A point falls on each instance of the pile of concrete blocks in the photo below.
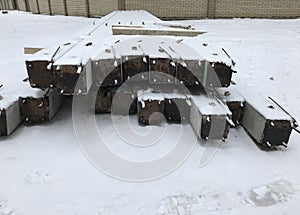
(32, 106)
(162, 78)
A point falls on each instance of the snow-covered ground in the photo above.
(43, 171)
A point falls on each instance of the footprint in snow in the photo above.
(5, 209)
(275, 193)
(36, 178)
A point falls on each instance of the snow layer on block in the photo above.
(43, 55)
(229, 94)
(175, 95)
(211, 53)
(147, 95)
(11, 92)
(209, 106)
(133, 17)
(261, 103)
(154, 47)
(101, 38)
(59, 50)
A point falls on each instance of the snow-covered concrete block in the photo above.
(190, 72)
(264, 121)
(100, 99)
(136, 67)
(150, 107)
(40, 108)
(40, 65)
(40, 73)
(10, 118)
(177, 107)
(224, 73)
(234, 101)
(209, 117)
(162, 71)
(141, 30)
(108, 72)
(107, 68)
(73, 79)
(124, 101)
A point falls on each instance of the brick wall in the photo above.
(6, 5)
(180, 9)
(102, 7)
(257, 8)
(170, 8)
(22, 5)
(76, 7)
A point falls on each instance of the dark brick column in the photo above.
(211, 10)
(121, 5)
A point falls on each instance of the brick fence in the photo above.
(178, 9)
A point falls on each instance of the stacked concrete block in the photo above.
(135, 67)
(124, 101)
(177, 107)
(191, 72)
(264, 120)
(73, 79)
(209, 117)
(38, 109)
(100, 99)
(234, 101)
(150, 107)
(223, 72)
(162, 71)
(10, 118)
(108, 72)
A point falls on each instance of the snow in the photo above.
(163, 47)
(11, 93)
(149, 95)
(229, 95)
(43, 169)
(209, 105)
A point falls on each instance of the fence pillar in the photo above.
(4, 5)
(38, 6)
(211, 10)
(49, 5)
(121, 5)
(87, 7)
(14, 4)
(66, 8)
(27, 6)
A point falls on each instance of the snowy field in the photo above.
(43, 171)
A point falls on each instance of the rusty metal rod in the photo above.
(295, 123)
